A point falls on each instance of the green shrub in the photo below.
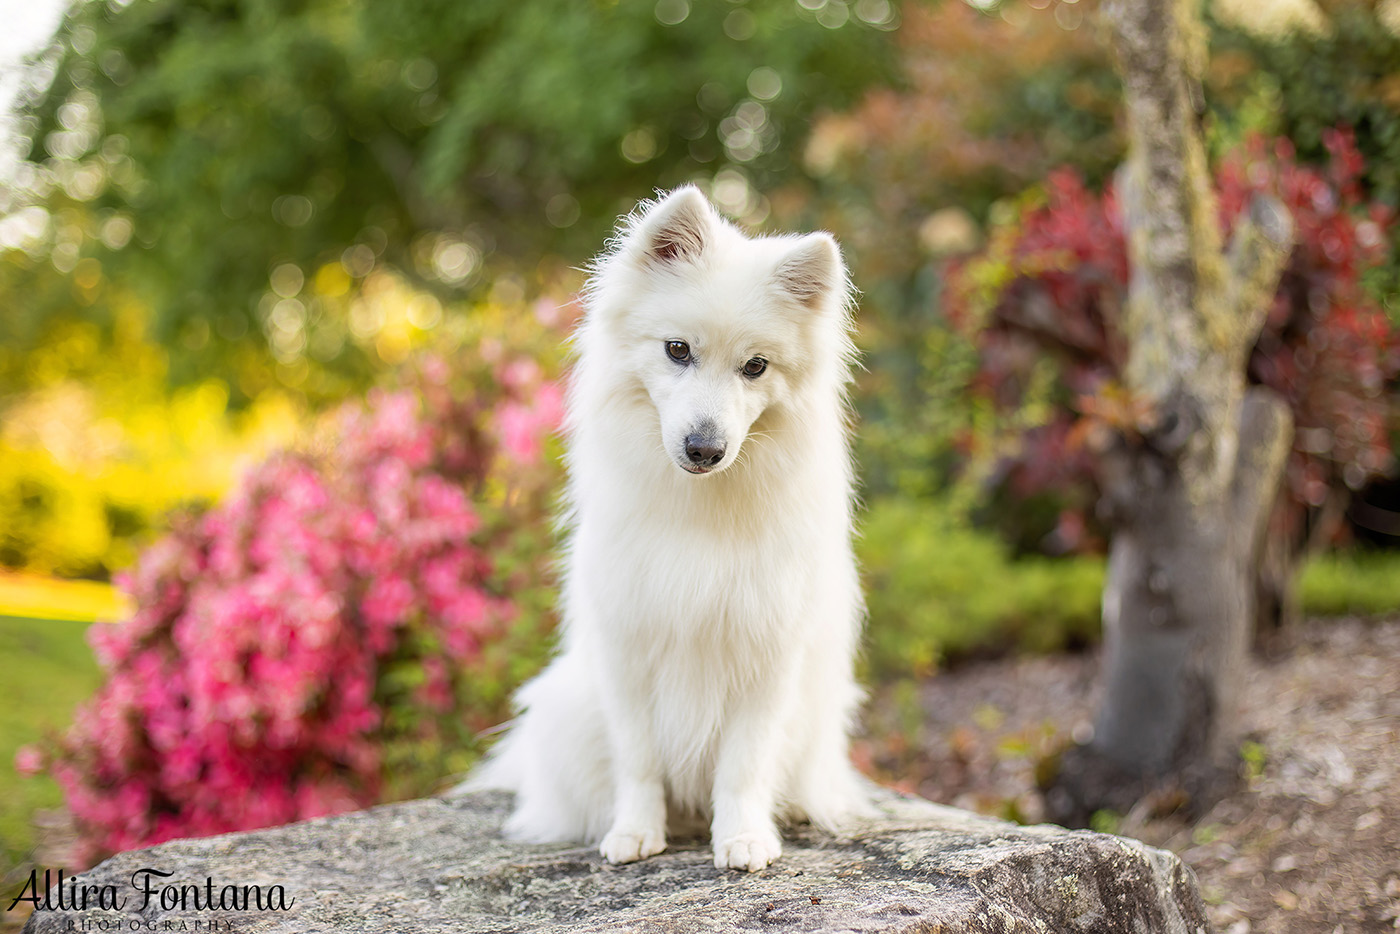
(938, 588)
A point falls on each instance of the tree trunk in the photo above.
(1277, 610)
(1287, 547)
(1188, 494)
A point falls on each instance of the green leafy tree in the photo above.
(212, 156)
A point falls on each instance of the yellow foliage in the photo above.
(87, 467)
(33, 597)
(95, 455)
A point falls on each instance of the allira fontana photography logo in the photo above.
(148, 888)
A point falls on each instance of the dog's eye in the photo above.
(678, 351)
(755, 367)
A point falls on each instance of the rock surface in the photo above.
(439, 864)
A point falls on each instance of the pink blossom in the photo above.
(523, 427)
(388, 602)
(521, 373)
(250, 686)
(29, 760)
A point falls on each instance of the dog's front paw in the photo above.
(628, 846)
(751, 850)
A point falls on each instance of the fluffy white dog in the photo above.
(711, 605)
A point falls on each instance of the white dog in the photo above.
(711, 606)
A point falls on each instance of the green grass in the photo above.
(48, 669)
(1352, 583)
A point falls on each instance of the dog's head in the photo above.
(718, 327)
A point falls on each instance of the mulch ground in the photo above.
(1310, 842)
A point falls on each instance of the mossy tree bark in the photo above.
(1190, 487)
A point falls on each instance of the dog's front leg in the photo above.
(746, 780)
(639, 794)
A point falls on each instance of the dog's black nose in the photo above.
(703, 450)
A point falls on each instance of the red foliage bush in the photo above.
(1055, 280)
(340, 602)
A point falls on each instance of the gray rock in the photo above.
(440, 864)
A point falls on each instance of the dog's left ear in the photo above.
(675, 229)
(813, 271)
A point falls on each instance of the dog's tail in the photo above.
(500, 770)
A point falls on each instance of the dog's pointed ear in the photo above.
(813, 271)
(677, 228)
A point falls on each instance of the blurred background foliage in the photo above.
(219, 158)
(234, 216)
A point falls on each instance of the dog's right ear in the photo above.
(675, 229)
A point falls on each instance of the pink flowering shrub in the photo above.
(336, 630)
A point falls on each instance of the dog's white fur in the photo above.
(709, 622)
